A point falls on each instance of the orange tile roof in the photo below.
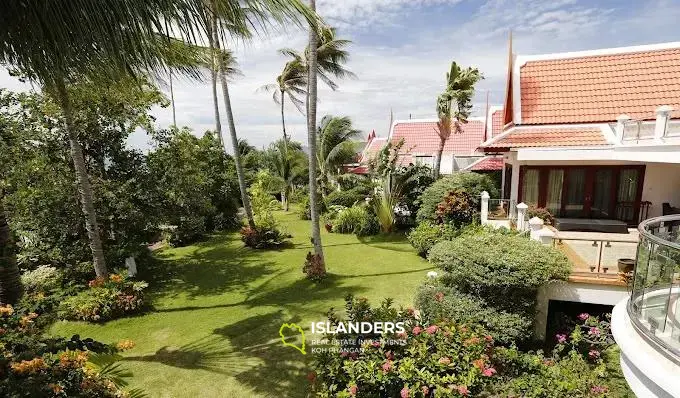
(372, 148)
(487, 163)
(528, 137)
(420, 137)
(600, 88)
(496, 123)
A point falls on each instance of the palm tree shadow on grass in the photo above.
(218, 265)
(395, 241)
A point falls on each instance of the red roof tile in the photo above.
(372, 148)
(599, 88)
(496, 123)
(422, 138)
(549, 137)
(488, 163)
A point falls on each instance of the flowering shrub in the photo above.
(104, 299)
(457, 208)
(32, 365)
(41, 280)
(542, 213)
(427, 360)
(590, 337)
(263, 237)
(314, 268)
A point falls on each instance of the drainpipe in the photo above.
(663, 113)
(621, 126)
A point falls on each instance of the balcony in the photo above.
(647, 325)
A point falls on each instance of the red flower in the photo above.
(376, 343)
(425, 390)
(478, 363)
(353, 390)
(402, 335)
(594, 354)
(444, 360)
(387, 366)
(389, 355)
(488, 372)
(417, 330)
(439, 296)
(311, 376)
(431, 329)
(404, 392)
(462, 390)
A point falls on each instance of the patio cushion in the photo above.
(585, 224)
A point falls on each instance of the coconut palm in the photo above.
(336, 147)
(454, 105)
(311, 102)
(331, 57)
(286, 161)
(292, 82)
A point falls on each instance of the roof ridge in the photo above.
(523, 59)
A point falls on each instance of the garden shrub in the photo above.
(472, 183)
(438, 302)
(542, 213)
(368, 226)
(457, 209)
(349, 220)
(427, 234)
(189, 229)
(425, 360)
(314, 268)
(345, 198)
(105, 299)
(43, 279)
(504, 270)
(263, 237)
(32, 365)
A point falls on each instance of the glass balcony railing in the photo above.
(654, 306)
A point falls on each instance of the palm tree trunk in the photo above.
(311, 137)
(84, 187)
(10, 280)
(172, 101)
(234, 139)
(213, 73)
(283, 118)
(438, 158)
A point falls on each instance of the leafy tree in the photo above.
(454, 105)
(286, 161)
(336, 147)
(196, 182)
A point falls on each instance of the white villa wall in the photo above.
(662, 184)
(447, 164)
(575, 292)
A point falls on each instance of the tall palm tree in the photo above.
(286, 161)
(454, 105)
(336, 147)
(292, 82)
(311, 138)
(331, 57)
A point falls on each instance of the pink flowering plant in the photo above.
(426, 360)
(590, 337)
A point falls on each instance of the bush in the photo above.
(305, 212)
(189, 230)
(349, 220)
(504, 270)
(427, 234)
(345, 198)
(542, 213)
(105, 299)
(457, 209)
(41, 280)
(438, 302)
(472, 183)
(368, 226)
(262, 237)
(314, 268)
(425, 360)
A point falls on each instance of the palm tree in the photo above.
(331, 57)
(336, 147)
(287, 161)
(292, 82)
(311, 138)
(454, 105)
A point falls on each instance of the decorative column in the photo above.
(521, 213)
(485, 208)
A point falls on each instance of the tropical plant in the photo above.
(292, 82)
(472, 183)
(336, 147)
(286, 161)
(317, 256)
(427, 234)
(383, 206)
(454, 105)
(456, 209)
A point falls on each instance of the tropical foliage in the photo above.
(336, 147)
(289, 164)
(471, 183)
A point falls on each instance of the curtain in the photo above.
(530, 187)
(554, 198)
(626, 194)
(576, 184)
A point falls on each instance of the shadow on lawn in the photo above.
(215, 266)
(280, 371)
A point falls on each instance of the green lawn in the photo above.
(219, 307)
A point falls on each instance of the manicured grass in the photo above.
(218, 307)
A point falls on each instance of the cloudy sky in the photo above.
(402, 49)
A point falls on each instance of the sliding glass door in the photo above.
(605, 192)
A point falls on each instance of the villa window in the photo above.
(530, 187)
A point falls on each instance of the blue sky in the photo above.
(402, 49)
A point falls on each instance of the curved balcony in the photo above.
(654, 308)
(646, 325)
